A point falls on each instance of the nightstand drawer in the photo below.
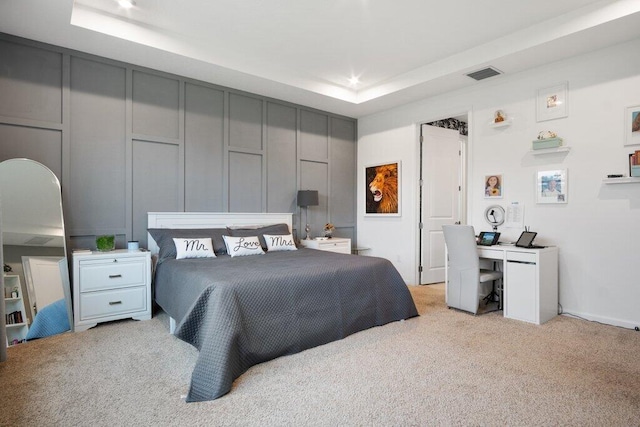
(109, 303)
(341, 247)
(98, 274)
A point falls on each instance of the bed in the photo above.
(239, 311)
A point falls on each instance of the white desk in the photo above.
(530, 281)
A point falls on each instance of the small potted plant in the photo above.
(328, 230)
(106, 243)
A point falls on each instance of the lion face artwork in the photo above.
(382, 182)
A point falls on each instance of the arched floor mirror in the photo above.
(37, 293)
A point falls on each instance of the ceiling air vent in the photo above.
(38, 240)
(485, 73)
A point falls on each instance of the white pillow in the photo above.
(193, 247)
(242, 246)
(277, 242)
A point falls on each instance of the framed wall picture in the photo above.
(632, 125)
(493, 186)
(552, 103)
(552, 186)
(382, 192)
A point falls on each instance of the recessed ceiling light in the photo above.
(354, 80)
(127, 4)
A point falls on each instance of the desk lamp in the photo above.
(307, 198)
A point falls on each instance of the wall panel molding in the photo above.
(132, 140)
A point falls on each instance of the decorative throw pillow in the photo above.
(193, 247)
(167, 249)
(278, 242)
(242, 246)
(259, 231)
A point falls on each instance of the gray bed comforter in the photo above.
(242, 311)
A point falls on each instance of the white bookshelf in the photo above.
(14, 303)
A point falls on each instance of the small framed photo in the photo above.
(632, 125)
(493, 186)
(552, 186)
(382, 189)
(552, 103)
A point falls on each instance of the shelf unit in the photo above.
(625, 180)
(553, 150)
(16, 332)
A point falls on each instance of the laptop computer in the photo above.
(526, 240)
(488, 238)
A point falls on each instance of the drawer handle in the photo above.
(115, 276)
(115, 302)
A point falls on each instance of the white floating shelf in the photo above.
(625, 180)
(502, 124)
(550, 150)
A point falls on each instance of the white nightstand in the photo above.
(109, 286)
(335, 244)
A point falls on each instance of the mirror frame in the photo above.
(63, 263)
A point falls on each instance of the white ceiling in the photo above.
(305, 51)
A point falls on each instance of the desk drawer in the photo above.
(101, 274)
(111, 303)
(490, 254)
(522, 257)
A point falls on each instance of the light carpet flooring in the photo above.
(445, 367)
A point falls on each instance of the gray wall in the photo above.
(124, 141)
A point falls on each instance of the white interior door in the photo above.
(44, 283)
(441, 197)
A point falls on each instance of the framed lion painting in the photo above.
(382, 192)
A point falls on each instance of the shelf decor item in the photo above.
(634, 164)
(106, 243)
(499, 116)
(546, 139)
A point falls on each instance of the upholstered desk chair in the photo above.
(465, 275)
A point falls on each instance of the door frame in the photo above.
(465, 154)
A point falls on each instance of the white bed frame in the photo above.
(210, 220)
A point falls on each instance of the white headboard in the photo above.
(211, 220)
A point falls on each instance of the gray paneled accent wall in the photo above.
(96, 188)
(204, 161)
(125, 140)
(281, 157)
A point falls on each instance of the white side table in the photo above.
(109, 286)
(335, 244)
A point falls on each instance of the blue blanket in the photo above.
(50, 320)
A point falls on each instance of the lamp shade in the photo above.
(308, 198)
